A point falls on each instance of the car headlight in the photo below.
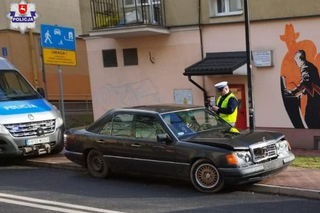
(240, 158)
(283, 146)
(3, 130)
(59, 122)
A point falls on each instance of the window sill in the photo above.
(226, 14)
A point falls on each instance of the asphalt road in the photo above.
(33, 189)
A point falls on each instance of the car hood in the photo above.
(233, 141)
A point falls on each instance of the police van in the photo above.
(29, 124)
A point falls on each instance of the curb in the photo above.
(65, 166)
(259, 188)
(282, 190)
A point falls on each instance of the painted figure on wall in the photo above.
(300, 81)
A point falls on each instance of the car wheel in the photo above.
(97, 165)
(205, 177)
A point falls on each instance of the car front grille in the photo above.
(30, 128)
(264, 151)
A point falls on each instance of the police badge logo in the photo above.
(23, 16)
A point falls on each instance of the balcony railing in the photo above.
(118, 13)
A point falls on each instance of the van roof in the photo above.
(6, 65)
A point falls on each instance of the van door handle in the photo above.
(136, 145)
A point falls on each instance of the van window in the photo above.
(14, 87)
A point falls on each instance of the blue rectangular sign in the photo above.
(4, 52)
(57, 37)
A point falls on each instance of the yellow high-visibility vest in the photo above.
(230, 118)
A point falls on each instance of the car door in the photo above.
(114, 141)
(149, 156)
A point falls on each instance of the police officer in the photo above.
(227, 103)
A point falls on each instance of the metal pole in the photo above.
(249, 73)
(33, 59)
(44, 79)
(61, 95)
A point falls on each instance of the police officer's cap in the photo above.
(221, 85)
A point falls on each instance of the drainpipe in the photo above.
(200, 30)
(33, 57)
(201, 49)
(201, 88)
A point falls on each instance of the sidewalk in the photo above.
(299, 182)
(297, 177)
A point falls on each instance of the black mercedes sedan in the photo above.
(177, 141)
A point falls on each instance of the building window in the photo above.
(130, 57)
(226, 7)
(131, 3)
(109, 58)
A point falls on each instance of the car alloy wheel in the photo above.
(205, 177)
(97, 165)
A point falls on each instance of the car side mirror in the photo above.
(41, 92)
(163, 138)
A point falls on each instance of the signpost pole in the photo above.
(61, 95)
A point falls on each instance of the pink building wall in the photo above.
(150, 83)
(270, 112)
(147, 83)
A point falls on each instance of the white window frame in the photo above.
(131, 5)
(214, 9)
(148, 2)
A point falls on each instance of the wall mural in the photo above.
(300, 81)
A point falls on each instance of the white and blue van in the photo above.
(29, 124)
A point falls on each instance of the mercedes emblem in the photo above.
(31, 117)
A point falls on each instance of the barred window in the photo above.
(109, 58)
(130, 57)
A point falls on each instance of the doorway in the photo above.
(239, 91)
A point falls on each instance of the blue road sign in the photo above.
(57, 37)
(4, 52)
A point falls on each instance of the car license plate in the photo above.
(37, 141)
(271, 165)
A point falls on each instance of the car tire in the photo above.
(205, 177)
(97, 165)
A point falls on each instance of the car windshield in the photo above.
(189, 122)
(14, 87)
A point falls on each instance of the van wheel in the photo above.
(205, 177)
(97, 165)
